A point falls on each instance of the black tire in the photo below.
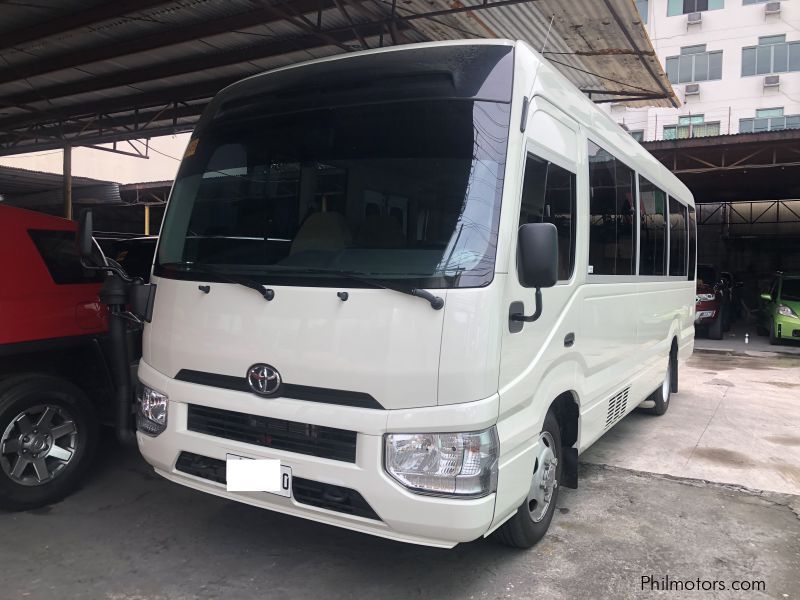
(715, 329)
(726, 320)
(662, 395)
(520, 531)
(32, 392)
(773, 338)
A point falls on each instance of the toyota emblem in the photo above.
(263, 379)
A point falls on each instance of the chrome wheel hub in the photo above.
(544, 482)
(38, 444)
(665, 387)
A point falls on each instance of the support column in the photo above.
(147, 219)
(67, 181)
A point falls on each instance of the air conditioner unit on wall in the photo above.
(772, 8)
(694, 18)
(772, 80)
(692, 89)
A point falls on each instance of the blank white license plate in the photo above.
(245, 474)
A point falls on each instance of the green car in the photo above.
(780, 314)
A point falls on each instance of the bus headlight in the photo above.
(151, 413)
(446, 464)
(786, 311)
(704, 297)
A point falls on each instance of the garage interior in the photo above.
(712, 490)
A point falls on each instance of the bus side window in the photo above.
(653, 229)
(677, 237)
(548, 196)
(612, 208)
(692, 243)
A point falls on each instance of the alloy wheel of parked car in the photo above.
(38, 444)
(48, 432)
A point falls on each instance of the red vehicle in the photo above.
(57, 383)
(712, 306)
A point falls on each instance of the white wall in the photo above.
(97, 164)
(733, 97)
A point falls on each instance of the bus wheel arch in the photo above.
(567, 413)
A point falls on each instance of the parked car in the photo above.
(712, 302)
(780, 314)
(56, 382)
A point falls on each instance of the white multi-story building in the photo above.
(734, 64)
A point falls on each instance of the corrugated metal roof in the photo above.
(26, 188)
(83, 72)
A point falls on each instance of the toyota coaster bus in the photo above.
(423, 279)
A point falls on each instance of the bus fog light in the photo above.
(449, 464)
(151, 413)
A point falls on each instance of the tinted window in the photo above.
(692, 243)
(548, 196)
(653, 230)
(707, 274)
(402, 190)
(612, 232)
(60, 255)
(677, 238)
(790, 290)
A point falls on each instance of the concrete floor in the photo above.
(130, 535)
(736, 420)
(733, 341)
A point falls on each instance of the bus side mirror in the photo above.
(766, 297)
(84, 237)
(538, 255)
(537, 264)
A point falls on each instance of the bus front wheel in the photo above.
(532, 519)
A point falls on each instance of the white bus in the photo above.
(424, 279)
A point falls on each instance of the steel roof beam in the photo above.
(161, 39)
(190, 64)
(184, 93)
(103, 126)
(103, 11)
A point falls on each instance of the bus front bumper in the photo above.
(394, 512)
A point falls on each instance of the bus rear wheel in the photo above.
(532, 519)
(661, 396)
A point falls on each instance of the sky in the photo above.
(162, 165)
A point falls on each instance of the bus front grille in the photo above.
(290, 436)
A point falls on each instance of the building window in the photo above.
(638, 135)
(653, 229)
(548, 196)
(641, 6)
(683, 7)
(772, 55)
(769, 119)
(691, 126)
(694, 64)
(612, 219)
(746, 2)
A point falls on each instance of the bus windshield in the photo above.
(387, 191)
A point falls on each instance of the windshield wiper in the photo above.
(188, 267)
(436, 302)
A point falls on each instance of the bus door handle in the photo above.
(569, 340)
